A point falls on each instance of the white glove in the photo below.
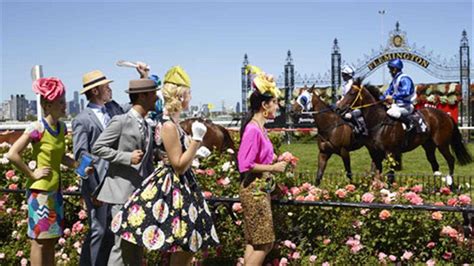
(203, 152)
(199, 130)
(348, 116)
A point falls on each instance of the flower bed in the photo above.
(305, 235)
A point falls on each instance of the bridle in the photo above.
(359, 96)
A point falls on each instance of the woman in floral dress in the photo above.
(168, 212)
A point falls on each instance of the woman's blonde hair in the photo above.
(172, 94)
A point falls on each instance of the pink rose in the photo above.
(283, 261)
(382, 256)
(306, 186)
(430, 262)
(287, 243)
(449, 231)
(24, 262)
(67, 232)
(82, 214)
(2, 256)
(200, 172)
(326, 241)
(447, 255)
(300, 198)
(464, 200)
(350, 188)
(325, 264)
(295, 191)
(77, 227)
(431, 245)
(9, 174)
(223, 181)
(295, 255)
(237, 207)
(19, 253)
(62, 241)
(210, 172)
(368, 197)
(438, 203)
(384, 215)
(452, 202)
(13, 186)
(313, 258)
(437, 216)
(50, 88)
(341, 193)
(407, 255)
(310, 197)
(445, 191)
(417, 188)
(207, 194)
(392, 258)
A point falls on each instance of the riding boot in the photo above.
(408, 123)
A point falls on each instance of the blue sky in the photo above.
(210, 39)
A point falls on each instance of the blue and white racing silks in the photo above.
(401, 89)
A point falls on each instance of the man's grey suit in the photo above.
(116, 144)
(86, 129)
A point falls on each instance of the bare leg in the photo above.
(248, 252)
(258, 255)
(181, 258)
(42, 252)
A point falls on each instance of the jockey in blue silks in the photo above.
(400, 94)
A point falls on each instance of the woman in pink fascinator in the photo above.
(44, 196)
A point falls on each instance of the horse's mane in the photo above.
(373, 90)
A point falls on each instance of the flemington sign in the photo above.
(402, 55)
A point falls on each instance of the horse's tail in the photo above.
(462, 154)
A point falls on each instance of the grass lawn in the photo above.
(413, 162)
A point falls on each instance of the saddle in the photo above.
(414, 121)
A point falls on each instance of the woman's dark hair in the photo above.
(256, 100)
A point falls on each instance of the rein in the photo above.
(359, 95)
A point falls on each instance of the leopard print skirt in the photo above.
(258, 219)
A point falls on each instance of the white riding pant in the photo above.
(400, 109)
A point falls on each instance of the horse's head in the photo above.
(359, 96)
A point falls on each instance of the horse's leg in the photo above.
(322, 161)
(346, 158)
(430, 153)
(444, 149)
(377, 158)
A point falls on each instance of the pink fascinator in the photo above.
(50, 88)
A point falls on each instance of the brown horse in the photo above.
(335, 135)
(388, 137)
(217, 137)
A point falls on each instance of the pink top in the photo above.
(255, 148)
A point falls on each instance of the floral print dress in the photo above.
(167, 212)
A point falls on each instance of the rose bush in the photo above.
(305, 235)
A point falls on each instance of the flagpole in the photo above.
(37, 73)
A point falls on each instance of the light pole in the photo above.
(382, 12)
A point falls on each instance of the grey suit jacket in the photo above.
(116, 144)
(86, 128)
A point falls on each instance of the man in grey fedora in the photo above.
(86, 128)
(127, 144)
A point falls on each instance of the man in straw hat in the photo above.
(128, 145)
(86, 128)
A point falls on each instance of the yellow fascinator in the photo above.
(263, 82)
(178, 76)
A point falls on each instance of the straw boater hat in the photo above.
(141, 85)
(93, 79)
